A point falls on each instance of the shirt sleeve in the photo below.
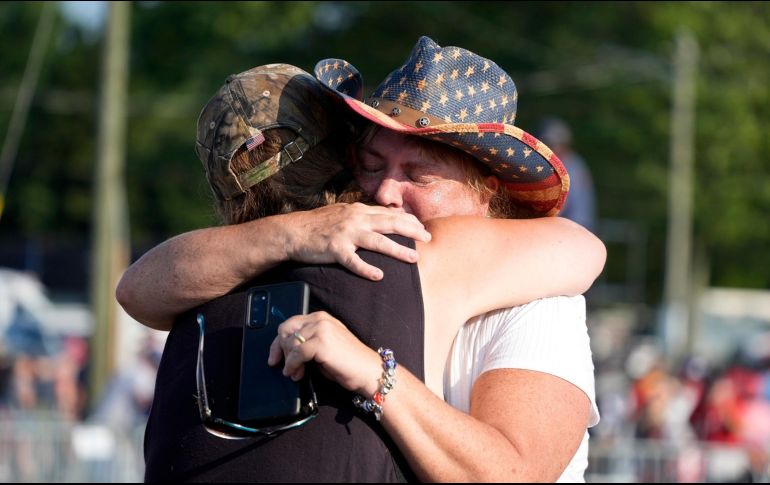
(547, 335)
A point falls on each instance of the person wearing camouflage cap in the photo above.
(428, 411)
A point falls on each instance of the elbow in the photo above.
(128, 296)
(124, 294)
(591, 256)
(595, 256)
(598, 257)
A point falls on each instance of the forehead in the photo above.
(393, 147)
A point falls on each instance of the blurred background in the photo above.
(660, 111)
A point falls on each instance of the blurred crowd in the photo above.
(695, 420)
(702, 412)
(44, 367)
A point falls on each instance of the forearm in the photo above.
(536, 258)
(443, 444)
(197, 266)
(522, 425)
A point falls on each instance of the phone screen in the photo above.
(266, 395)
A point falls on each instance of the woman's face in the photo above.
(397, 172)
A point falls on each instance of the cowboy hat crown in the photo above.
(456, 97)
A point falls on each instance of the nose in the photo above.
(390, 193)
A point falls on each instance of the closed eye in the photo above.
(421, 179)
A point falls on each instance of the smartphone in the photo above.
(267, 397)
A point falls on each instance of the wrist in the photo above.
(371, 376)
(374, 404)
(264, 245)
(285, 233)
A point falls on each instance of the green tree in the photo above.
(602, 67)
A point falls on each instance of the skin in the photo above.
(398, 174)
(523, 425)
(508, 435)
(198, 266)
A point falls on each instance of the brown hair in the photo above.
(501, 204)
(319, 178)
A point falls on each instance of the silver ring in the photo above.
(299, 337)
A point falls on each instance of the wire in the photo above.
(24, 97)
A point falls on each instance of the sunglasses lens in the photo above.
(226, 429)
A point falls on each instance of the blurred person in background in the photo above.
(33, 367)
(736, 410)
(128, 398)
(581, 203)
(426, 466)
(6, 368)
(69, 384)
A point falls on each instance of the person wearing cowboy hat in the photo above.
(404, 174)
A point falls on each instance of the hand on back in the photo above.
(332, 234)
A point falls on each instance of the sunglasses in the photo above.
(228, 429)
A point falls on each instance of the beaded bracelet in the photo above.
(387, 382)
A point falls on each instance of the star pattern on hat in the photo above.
(440, 82)
(472, 96)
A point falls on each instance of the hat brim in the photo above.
(533, 175)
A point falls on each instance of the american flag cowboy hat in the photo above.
(451, 95)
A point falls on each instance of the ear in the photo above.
(492, 182)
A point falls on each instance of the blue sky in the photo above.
(89, 15)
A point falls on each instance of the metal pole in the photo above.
(678, 320)
(110, 251)
(24, 97)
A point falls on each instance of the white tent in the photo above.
(22, 292)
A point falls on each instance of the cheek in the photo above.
(442, 200)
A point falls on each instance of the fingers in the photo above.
(296, 344)
(339, 355)
(280, 345)
(391, 221)
(383, 244)
(276, 352)
(407, 225)
(388, 220)
(334, 233)
(353, 262)
(294, 365)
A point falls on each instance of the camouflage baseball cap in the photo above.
(249, 103)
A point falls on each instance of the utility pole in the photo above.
(678, 321)
(110, 247)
